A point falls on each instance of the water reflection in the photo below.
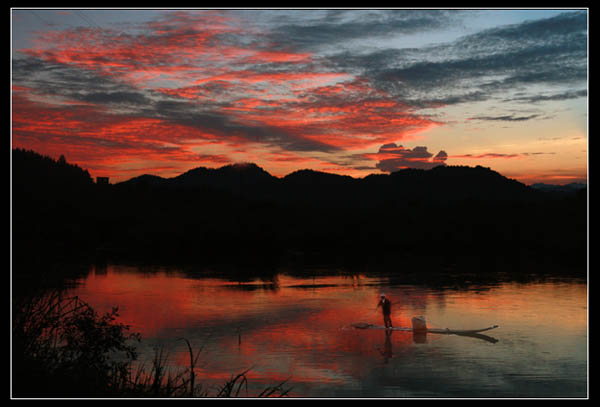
(419, 337)
(387, 352)
(290, 327)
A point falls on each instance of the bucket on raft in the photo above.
(419, 323)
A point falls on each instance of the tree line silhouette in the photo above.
(450, 218)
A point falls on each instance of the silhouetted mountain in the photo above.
(146, 180)
(567, 188)
(450, 217)
(229, 177)
(311, 177)
(449, 184)
(33, 170)
(49, 203)
(442, 184)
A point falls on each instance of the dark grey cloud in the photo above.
(481, 66)
(396, 157)
(567, 24)
(540, 65)
(118, 97)
(207, 119)
(507, 118)
(364, 167)
(338, 27)
(575, 94)
(70, 82)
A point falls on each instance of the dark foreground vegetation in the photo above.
(447, 218)
(62, 349)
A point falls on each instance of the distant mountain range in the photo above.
(442, 184)
(567, 188)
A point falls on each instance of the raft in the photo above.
(419, 327)
(365, 325)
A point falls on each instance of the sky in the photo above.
(126, 92)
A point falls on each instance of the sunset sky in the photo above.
(349, 91)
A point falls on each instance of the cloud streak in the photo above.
(506, 118)
(501, 155)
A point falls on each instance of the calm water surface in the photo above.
(298, 328)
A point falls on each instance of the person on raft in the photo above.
(386, 308)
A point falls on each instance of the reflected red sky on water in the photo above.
(299, 328)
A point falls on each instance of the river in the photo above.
(297, 328)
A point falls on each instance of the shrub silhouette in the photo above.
(63, 348)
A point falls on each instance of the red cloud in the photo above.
(104, 142)
(185, 57)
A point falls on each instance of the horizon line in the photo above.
(248, 163)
